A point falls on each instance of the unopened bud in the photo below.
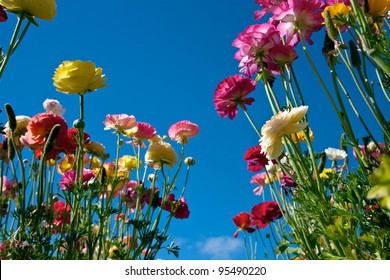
(355, 56)
(79, 123)
(330, 28)
(152, 177)
(11, 116)
(189, 161)
(11, 149)
(51, 139)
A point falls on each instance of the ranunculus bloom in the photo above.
(264, 213)
(279, 57)
(54, 106)
(254, 44)
(129, 162)
(231, 93)
(287, 184)
(243, 221)
(68, 180)
(3, 14)
(142, 131)
(182, 130)
(160, 153)
(8, 187)
(378, 7)
(255, 158)
(21, 127)
(178, 208)
(303, 16)
(335, 154)
(337, 10)
(283, 123)
(96, 149)
(43, 9)
(38, 129)
(72, 136)
(120, 122)
(78, 77)
(61, 215)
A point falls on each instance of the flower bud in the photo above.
(51, 139)
(152, 177)
(79, 123)
(371, 147)
(11, 116)
(11, 149)
(330, 28)
(189, 161)
(355, 57)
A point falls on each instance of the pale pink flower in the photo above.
(269, 6)
(260, 180)
(8, 187)
(54, 106)
(231, 93)
(142, 131)
(182, 130)
(119, 122)
(254, 44)
(302, 15)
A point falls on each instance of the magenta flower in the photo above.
(302, 15)
(178, 208)
(264, 213)
(68, 180)
(255, 158)
(269, 6)
(119, 122)
(280, 57)
(232, 92)
(254, 44)
(182, 130)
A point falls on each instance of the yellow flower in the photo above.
(378, 8)
(129, 162)
(283, 123)
(300, 136)
(324, 173)
(43, 9)
(96, 149)
(78, 77)
(160, 153)
(337, 10)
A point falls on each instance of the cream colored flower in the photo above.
(21, 127)
(78, 77)
(160, 153)
(43, 9)
(283, 123)
(96, 149)
(335, 154)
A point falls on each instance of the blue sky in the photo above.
(163, 61)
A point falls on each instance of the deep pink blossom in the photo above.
(182, 130)
(264, 213)
(254, 44)
(268, 6)
(231, 93)
(68, 180)
(280, 57)
(178, 208)
(255, 158)
(302, 15)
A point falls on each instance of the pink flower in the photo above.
(255, 158)
(178, 208)
(142, 131)
(231, 93)
(302, 15)
(269, 6)
(54, 106)
(254, 44)
(68, 180)
(119, 122)
(182, 130)
(8, 187)
(129, 195)
(259, 179)
(61, 215)
(280, 57)
(264, 213)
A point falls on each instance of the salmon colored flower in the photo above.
(160, 153)
(243, 221)
(78, 77)
(255, 158)
(283, 123)
(183, 130)
(231, 93)
(43, 9)
(120, 123)
(264, 213)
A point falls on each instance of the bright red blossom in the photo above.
(264, 213)
(255, 158)
(243, 221)
(231, 93)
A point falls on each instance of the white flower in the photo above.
(54, 106)
(335, 154)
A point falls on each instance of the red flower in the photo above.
(72, 135)
(243, 221)
(264, 213)
(179, 208)
(256, 159)
(61, 214)
(3, 14)
(231, 93)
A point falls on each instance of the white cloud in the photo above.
(220, 247)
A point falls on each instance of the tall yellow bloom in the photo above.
(78, 77)
(283, 123)
(378, 8)
(43, 9)
(337, 10)
(160, 153)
